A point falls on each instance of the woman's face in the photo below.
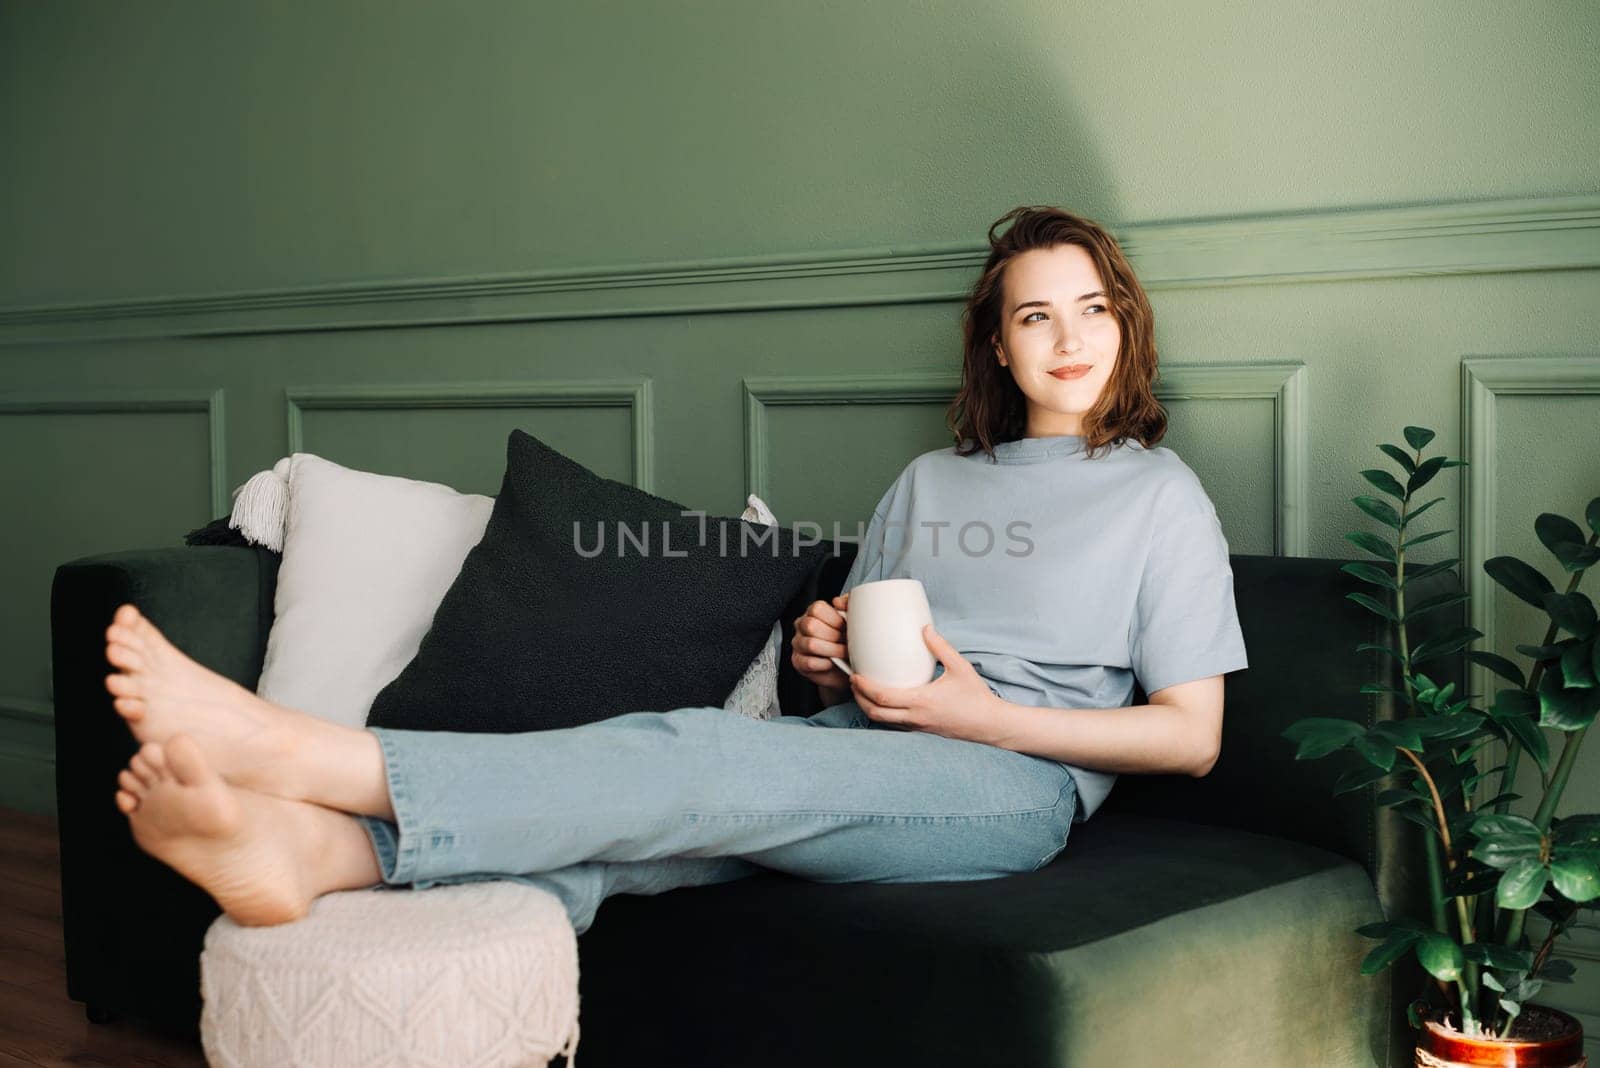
(1055, 317)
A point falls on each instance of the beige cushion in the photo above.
(475, 975)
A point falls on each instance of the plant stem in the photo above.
(1467, 984)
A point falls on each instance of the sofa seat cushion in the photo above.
(1143, 939)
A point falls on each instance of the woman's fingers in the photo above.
(814, 628)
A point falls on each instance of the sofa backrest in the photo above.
(1301, 634)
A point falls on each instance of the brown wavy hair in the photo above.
(990, 408)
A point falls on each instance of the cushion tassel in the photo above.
(261, 506)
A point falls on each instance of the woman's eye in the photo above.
(1030, 316)
(1092, 307)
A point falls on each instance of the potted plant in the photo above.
(1486, 867)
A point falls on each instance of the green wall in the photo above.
(719, 247)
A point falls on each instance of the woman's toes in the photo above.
(129, 708)
(155, 756)
(121, 685)
(121, 656)
(142, 770)
(127, 802)
(125, 615)
(130, 782)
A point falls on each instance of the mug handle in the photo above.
(840, 664)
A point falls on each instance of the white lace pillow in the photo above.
(366, 560)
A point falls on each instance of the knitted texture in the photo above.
(474, 975)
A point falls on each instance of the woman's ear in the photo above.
(998, 351)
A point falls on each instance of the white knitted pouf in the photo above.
(474, 975)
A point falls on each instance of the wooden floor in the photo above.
(38, 1024)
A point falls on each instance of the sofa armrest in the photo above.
(133, 927)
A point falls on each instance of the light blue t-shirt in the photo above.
(1064, 578)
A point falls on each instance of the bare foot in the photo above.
(251, 852)
(161, 692)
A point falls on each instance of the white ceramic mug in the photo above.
(884, 633)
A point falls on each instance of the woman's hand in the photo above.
(957, 704)
(818, 635)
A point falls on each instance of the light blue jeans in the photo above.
(650, 801)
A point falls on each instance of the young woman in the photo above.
(1063, 554)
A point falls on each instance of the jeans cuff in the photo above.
(400, 837)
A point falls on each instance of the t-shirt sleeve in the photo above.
(868, 564)
(1186, 624)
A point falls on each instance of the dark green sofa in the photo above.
(1191, 921)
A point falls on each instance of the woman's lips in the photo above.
(1073, 371)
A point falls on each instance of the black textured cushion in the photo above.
(218, 532)
(540, 631)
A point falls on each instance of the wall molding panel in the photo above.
(1484, 379)
(1470, 237)
(634, 394)
(212, 402)
(1283, 384)
(786, 391)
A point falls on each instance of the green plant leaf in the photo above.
(1572, 612)
(1418, 436)
(1377, 752)
(1577, 668)
(1371, 604)
(1517, 711)
(1392, 949)
(1488, 977)
(1497, 824)
(1521, 579)
(1399, 456)
(1574, 557)
(1425, 537)
(1497, 956)
(1393, 653)
(1379, 510)
(1375, 687)
(1319, 735)
(1541, 652)
(1556, 970)
(1444, 644)
(1401, 733)
(1500, 666)
(1592, 514)
(1506, 851)
(1444, 600)
(1553, 530)
(1450, 726)
(1422, 817)
(1412, 515)
(1441, 955)
(1415, 573)
(1387, 798)
(1576, 830)
(1372, 543)
(1563, 709)
(1522, 884)
(1577, 877)
(1386, 482)
(1371, 573)
(1356, 778)
(1424, 473)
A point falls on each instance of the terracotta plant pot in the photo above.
(1558, 1043)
